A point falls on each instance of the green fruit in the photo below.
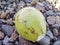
(30, 24)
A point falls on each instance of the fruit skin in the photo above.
(30, 24)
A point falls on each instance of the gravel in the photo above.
(49, 8)
(8, 30)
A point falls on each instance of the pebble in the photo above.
(55, 32)
(1, 42)
(10, 21)
(16, 43)
(14, 36)
(28, 4)
(21, 5)
(45, 41)
(7, 29)
(57, 13)
(14, 5)
(6, 39)
(57, 43)
(3, 15)
(1, 35)
(10, 44)
(3, 21)
(57, 19)
(34, 2)
(27, 1)
(51, 20)
(23, 42)
(56, 25)
(57, 6)
(40, 6)
(59, 37)
(49, 12)
(47, 6)
(50, 34)
(11, 0)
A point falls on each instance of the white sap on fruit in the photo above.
(30, 24)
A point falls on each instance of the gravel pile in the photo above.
(50, 10)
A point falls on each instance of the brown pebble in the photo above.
(55, 32)
(14, 36)
(1, 35)
(10, 21)
(3, 15)
(34, 2)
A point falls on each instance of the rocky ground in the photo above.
(49, 8)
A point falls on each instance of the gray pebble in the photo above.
(51, 20)
(40, 6)
(45, 41)
(57, 43)
(49, 12)
(1, 42)
(28, 1)
(49, 33)
(55, 32)
(6, 39)
(10, 44)
(56, 25)
(8, 30)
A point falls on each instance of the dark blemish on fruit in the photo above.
(26, 33)
(32, 31)
(25, 22)
(41, 31)
(28, 28)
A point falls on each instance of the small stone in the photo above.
(10, 21)
(28, 1)
(24, 42)
(59, 37)
(21, 5)
(16, 43)
(3, 21)
(10, 10)
(55, 32)
(45, 41)
(7, 29)
(57, 13)
(57, 19)
(14, 36)
(14, 5)
(34, 2)
(3, 2)
(57, 5)
(28, 4)
(51, 20)
(49, 33)
(3, 15)
(49, 12)
(10, 44)
(6, 39)
(40, 6)
(1, 35)
(56, 25)
(11, 0)
(57, 43)
(47, 6)
(1, 42)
